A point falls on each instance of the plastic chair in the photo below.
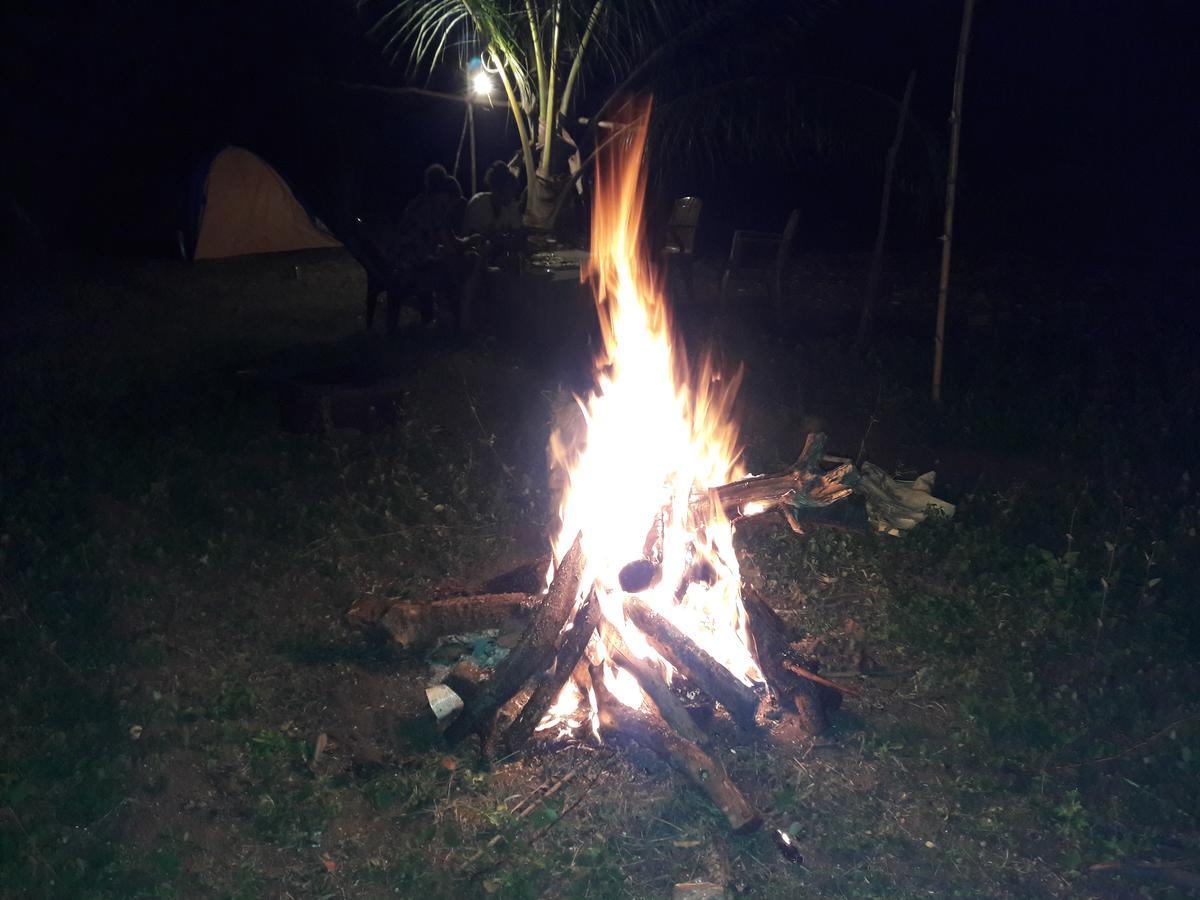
(680, 238)
(764, 252)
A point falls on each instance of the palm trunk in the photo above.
(960, 72)
(539, 62)
(541, 186)
(522, 131)
(549, 119)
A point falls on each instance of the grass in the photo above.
(175, 572)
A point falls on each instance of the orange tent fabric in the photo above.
(249, 208)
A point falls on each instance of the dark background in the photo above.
(1079, 137)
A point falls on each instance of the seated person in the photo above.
(432, 217)
(425, 248)
(496, 213)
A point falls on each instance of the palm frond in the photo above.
(808, 119)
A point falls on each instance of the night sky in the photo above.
(1081, 118)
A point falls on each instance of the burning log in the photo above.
(420, 624)
(652, 732)
(652, 682)
(533, 653)
(684, 654)
(804, 486)
(569, 653)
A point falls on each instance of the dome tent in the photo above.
(238, 204)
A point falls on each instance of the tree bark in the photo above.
(652, 682)
(804, 485)
(812, 702)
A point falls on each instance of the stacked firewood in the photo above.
(567, 638)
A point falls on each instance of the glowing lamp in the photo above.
(481, 83)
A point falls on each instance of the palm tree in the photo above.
(542, 50)
(693, 55)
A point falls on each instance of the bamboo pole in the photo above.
(885, 205)
(960, 72)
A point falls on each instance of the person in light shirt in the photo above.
(492, 221)
(494, 212)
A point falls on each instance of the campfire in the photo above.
(643, 628)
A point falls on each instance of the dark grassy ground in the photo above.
(176, 570)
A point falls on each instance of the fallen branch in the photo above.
(421, 624)
(529, 804)
(796, 669)
(653, 733)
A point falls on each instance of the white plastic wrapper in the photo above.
(444, 702)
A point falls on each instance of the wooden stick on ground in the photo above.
(684, 654)
(651, 680)
(817, 679)
(532, 654)
(652, 732)
(569, 652)
(419, 624)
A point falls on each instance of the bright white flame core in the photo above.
(656, 439)
(482, 84)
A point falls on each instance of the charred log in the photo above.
(813, 702)
(527, 578)
(652, 732)
(705, 672)
(670, 707)
(804, 486)
(551, 683)
(533, 653)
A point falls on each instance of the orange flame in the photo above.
(656, 439)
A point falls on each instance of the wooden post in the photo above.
(885, 205)
(960, 72)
